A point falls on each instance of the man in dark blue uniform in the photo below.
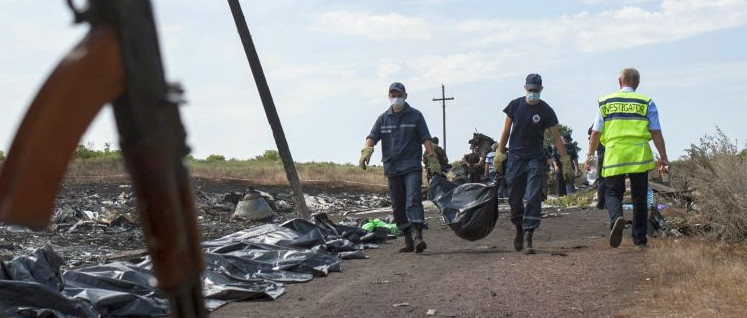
(527, 117)
(402, 130)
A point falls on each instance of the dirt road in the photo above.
(574, 274)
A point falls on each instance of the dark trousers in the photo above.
(560, 182)
(525, 178)
(600, 181)
(407, 198)
(638, 189)
(563, 186)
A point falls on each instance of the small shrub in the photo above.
(83, 152)
(718, 172)
(2, 156)
(87, 152)
(270, 155)
(215, 158)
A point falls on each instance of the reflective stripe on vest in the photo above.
(626, 134)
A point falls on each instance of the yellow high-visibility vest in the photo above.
(625, 135)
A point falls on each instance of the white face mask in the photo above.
(397, 103)
(533, 98)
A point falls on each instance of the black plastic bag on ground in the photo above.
(470, 209)
(656, 222)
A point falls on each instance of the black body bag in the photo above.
(470, 209)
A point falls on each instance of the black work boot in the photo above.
(409, 243)
(419, 243)
(519, 238)
(530, 248)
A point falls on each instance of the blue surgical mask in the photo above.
(533, 97)
(397, 102)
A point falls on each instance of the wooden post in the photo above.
(270, 110)
(443, 100)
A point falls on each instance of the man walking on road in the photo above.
(625, 123)
(401, 130)
(527, 117)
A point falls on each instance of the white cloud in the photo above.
(381, 27)
(479, 66)
(328, 63)
(387, 68)
(614, 29)
(293, 72)
(728, 76)
(625, 2)
(458, 67)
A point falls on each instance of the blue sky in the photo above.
(329, 64)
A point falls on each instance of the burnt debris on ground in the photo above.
(96, 222)
(94, 233)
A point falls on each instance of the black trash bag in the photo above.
(656, 222)
(470, 209)
(30, 286)
(117, 289)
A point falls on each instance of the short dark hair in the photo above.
(630, 76)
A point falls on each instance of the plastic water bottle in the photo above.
(650, 201)
(591, 175)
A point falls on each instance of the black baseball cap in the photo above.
(397, 86)
(534, 81)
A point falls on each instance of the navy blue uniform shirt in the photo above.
(528, 127)
(570, 150)
(401, 135)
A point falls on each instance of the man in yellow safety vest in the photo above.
(625, 123)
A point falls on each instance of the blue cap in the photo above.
(534, 81)
(397, 86)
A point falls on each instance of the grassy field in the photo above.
(257, 171)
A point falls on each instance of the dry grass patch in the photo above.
(260, 172)
(272, 172)
(693, 278)
(81, 171)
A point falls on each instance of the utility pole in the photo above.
(443, 100)
(270, 110)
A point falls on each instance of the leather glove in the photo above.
(366, 153)
(433, 165)
(567, 168)
(498, 161)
